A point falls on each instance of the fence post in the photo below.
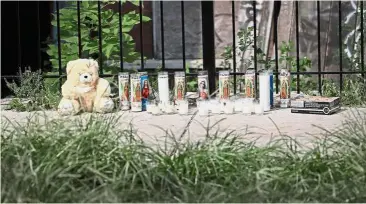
(208, 42)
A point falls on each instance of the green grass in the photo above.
(93, 161)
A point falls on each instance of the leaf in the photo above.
(106, 30)
(108, 50)
(145, 18)
(72, 39)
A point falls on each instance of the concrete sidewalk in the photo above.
(303, 127)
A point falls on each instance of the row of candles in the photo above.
(243, 105)
(134, 92)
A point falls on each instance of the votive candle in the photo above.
(228, 107)
(264, 90)
(163, 86)
(215, 107)
(258, 109)
(183, 107)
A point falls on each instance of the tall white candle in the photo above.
(264, 90)
(163, 86)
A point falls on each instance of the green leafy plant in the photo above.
(89, 33)
(353, 90)
(245, 41)
(287, 60)
(31, 93)
(192, 84)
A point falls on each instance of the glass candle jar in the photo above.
(169, 108)
(179, 86)
(248, 107)
(163, 86)
(203, 85)
(215, 106)
(258, 108)
(202, 108)
(238, 105)
(155, 110)
(224, 85)
(183, 107)
(228, 107)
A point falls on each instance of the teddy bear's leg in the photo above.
(103, 105)
(68, 107)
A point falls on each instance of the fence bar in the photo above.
(162, 34)
(208, 42)
(79, 28)
(275, 36)
(234, 41)
(297, 47)
(120, 35)
(141, 37)
(340, 45)
(100, 39)
(188, 74)
(319, 53)
(183, 35)
(40, 65)
(255, 45)
(362, 42)
(19, 38)
(59, 43)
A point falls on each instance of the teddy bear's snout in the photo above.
(85, 78)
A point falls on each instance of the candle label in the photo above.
(203, 86)
(136, 104)
(285, 88)
(145, 90)
(224, 87)
(179, 88)
(249, 85)
(285, 84)
(124, 90)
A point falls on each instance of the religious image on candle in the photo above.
(123, 82)
(136, 104)
(224, 89)
(179, 80)
(203, 84)
(284, 84)
(145, 89)
(250, 84)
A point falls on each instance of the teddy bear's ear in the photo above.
(93, 64)
(69, 66)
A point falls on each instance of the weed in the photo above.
(353, 90)
(33, 91)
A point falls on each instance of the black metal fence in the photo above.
(208, 43)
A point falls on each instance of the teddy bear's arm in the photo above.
(68, 91)
(103, 88)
